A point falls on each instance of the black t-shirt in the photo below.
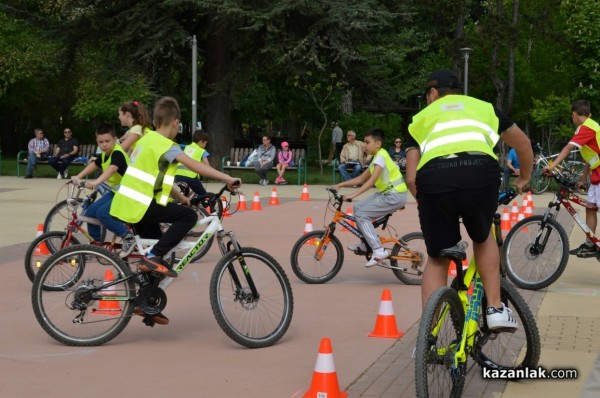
(464, 172)
(67, 146)
(117, 159)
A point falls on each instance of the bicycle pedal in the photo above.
(148, 321)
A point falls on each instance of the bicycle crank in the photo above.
(152, 300)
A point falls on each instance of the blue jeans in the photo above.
(349, 171)
(100, 210)
(32, 162)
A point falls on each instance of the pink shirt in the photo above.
(285, 157)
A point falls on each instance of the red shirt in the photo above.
(586, 136)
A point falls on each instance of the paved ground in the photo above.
(193, 357)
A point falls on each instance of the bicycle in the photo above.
(447, 337)
(250, 294)
(50, 242)
(536, 251)
(541, 182)
(313, 263)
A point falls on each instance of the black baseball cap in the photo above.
(442, 78)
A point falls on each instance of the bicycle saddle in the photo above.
(455, 252)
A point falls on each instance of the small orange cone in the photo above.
(521, 217)
(505, 222)
(256, 202)
(305, 196)
(530, 199)
(514, 212)
(108, 307)
(452, 268)
(308, 227)
(528, 212)
(242, 203)
(385, 325)
(274, 199)
(324, 381)
(41, 249)
(225, 207)
(349, 212)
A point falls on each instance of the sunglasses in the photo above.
(397, 142)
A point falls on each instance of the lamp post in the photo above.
(194, 83)
(465, 51)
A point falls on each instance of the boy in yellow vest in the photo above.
(143, 198)
(196, 150)
(587, 140)
(385, 176)
(452, 171)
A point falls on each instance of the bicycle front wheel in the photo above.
(412, 257)
(317, 257)
(43, 247)
(536, 256)
(82, 313)
(539, 182)
(251, 298)
(517, 350)
(440, 331)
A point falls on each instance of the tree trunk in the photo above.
(496, 81)
(510, 95)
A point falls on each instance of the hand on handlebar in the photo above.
(520, 183)
(233, 184)
(548, 170)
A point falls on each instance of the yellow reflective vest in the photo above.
(115, 180)
(391, 177)
(453, 124)
(137, 186)
(195, 152)
(587, 153)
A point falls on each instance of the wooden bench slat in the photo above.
(85, 150)
(237, 154)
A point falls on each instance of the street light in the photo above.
(465, 51)
(194, 88)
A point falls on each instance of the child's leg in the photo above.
(95, 231)
(375, 206)
(103, 214)
(181, 218)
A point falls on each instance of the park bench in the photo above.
(231, 162)
(86, 151)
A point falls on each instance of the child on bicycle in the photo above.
(384, 175)
(586, 141)
(196, 151)
(452, 171)
(113, 162)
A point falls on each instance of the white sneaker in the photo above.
(59, 176)
(501, 320)
(357, 247)
(66, 174)
(377, 258)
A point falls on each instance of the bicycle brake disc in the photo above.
(152, 300)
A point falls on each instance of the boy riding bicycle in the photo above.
(143, 197)
(384, 175)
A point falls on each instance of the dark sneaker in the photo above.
(28, 176)
(128, 245)
(584, 251)
(159, 318)
(501, 320)
(158, 265)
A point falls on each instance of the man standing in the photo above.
(65, 152)
(586, 140)
(450, 154)
(352, 157)
(336, 141)
(38, 148)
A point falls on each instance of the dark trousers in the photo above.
(194, 183)
(181, 218)
(60, 165)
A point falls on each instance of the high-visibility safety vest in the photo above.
(587, 153)
(115, 180)
(137, 186)
(391, 177)
(453, 124)
(194, 151)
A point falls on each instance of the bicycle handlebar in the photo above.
(505, 197)
(209, 200)
(337, 196)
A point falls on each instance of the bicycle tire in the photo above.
(58, 218)
(56, 311)
(53, 241)
(529, 266)
(505, 350)
(432, 370)
(251, 322)
(539, 182)
(315, 271)
(416, 247)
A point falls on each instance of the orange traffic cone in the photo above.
(256, 202)
(108, 307)
(385, 325)
(521, 217)
(528, 212)
(452, 267)
(514, 212)
(242, 203)
(324, 381)
(41, 249)
(308, 227)
(349, 212)
(505, 222)
(225, 207)
(530, 199)
(305, 196)
(274, 199)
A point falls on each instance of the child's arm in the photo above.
(207, 171)
(90, 168)
(112, 169)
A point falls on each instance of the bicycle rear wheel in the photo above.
(539, 182)
(440, 331)
(252, 320)
(536, 257)
(79, 314)
(517, 350)
(43, 247)
(417, 252)
(317, 258)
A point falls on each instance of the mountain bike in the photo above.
(536, 250)
(250, 294)
(75, 233)
(540, 182)
(318, 256)
(454, 326)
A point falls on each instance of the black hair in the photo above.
(105, 128)
(582, 107)
(377, 134)
(200, 135)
